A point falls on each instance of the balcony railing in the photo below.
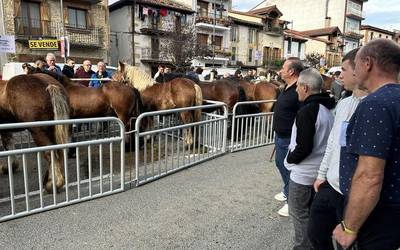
(78, 36)
(274, 30)
(152, 54)
(354, 33)
(355, 12)
(207, 50)
(221, 18)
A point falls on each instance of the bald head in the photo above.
(385, 53)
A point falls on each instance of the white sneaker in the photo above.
(284, 211)
(280, 197)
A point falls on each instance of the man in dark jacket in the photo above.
(285, 111)
(68, 69)
(85, 71)
(308, 141)
(51, 64)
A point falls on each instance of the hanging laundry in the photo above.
(145, 11)
(163, 12)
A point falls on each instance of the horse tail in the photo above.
(61, 112)
(199, 102)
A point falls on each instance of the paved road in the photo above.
(226, 203)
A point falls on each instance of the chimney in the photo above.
(327, 22)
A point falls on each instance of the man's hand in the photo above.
(317, 183)
(343, 238)
(51, 68)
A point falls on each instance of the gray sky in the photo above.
(383, 14)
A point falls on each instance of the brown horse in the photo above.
(259, 92)
(112, 99)
(178, 93)
(28, 98)
(223, 91)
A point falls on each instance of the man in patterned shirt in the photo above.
(370, 164)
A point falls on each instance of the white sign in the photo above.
(7, 44)
(258, 55)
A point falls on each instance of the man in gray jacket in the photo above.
(307, 145)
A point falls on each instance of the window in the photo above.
(233, 54)
(252, 36)
(202, 39)
(250, 55)
(77, 18)
(371, 36)
(217, 41)
(289, 47)
(218, 10)
(235, 34)
(202, 8)
(380, 35)
(31, 18)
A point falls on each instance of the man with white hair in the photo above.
(309, 137)
(101, 73)
(51, 64)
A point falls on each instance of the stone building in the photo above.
(372, 32)
(256, 38)
(85, 26)
(311, 15)
(140, 28)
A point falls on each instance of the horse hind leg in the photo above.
(43, 137)
(9, 144)
(186, 117)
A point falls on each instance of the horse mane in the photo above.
(138, 78)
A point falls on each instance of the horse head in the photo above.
(134, 76)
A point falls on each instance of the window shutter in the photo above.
(66, 16)
(17, 8)
(89, 19)
(45, 18)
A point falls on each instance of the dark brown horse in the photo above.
(178, 93)
(259, 92)
(223, 91)
(29, 98)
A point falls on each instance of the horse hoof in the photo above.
(14, 166)
(4, 169)
(49, 187)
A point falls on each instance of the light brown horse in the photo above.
(178, 93)
(29, 98)
(259, 92)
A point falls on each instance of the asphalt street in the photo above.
(226, 203)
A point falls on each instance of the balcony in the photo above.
(160, 28)
(207, 51)
(207, 20)
(26, 29)
(355, 14)
(274, 30)
(152, 55)
(353, 33)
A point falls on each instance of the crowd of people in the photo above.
(164, 74)
(340, 165)
(95, 79)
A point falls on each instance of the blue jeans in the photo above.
(281, 149)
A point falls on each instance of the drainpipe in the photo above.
(133, 32)
(3, 57)
(63, 27)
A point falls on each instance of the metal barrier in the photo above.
(167, 149)
(95, 172)
(251, 130)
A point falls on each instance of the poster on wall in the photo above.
(7, 44)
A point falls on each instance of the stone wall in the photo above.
(99, 13)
